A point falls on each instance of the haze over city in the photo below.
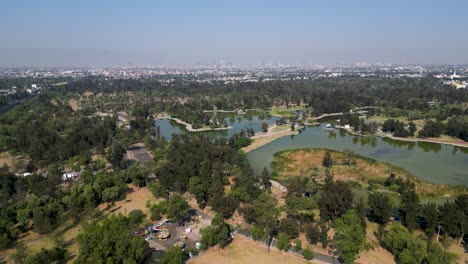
(106, 33)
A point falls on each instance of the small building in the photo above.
(24, 175)
(70, 175)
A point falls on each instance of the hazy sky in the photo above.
(196, 31)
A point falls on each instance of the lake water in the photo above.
(432, 162)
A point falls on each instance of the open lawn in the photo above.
(243, 250)
(308, 162)
(135, 200)
(285, 112)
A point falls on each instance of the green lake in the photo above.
(432, 162)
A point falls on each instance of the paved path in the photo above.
(191, 129)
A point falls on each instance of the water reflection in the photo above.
(399, 143)
(429, 146)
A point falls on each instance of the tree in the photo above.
(308, 254)
(327, 160)
(290, 227)
(409, 205)
(436, 254)
(219, 233)
(350, 236)
(312, 232)
(430, 215)
(380, 208)
(177, 207)
(411, 128)
(135, 216)
(8, 233)
(361, 210)
(264, 127)
(157, 190)
(453, 218)
(336, 199)
(406, 247)
(173, 255)
(266, 179)
(264, 212)
(110, 241)
(283, 241)
(115, 154)
(324, 234)
(56, 255)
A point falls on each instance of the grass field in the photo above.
(285, 112)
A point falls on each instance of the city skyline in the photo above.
(54, 33)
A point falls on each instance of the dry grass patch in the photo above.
(302, 162)
(74, 104)
(244, 250)
(135, 200)
(7, 159)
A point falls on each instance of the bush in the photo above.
(308, 254)
(257, 232)
(298, 245)
(312, 232)
(300, 203)
(135, 216)
(283, 241)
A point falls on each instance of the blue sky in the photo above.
(189, 32)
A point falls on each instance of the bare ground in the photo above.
(74, 104)
(135, 200)
(244, 250)
(7, 159)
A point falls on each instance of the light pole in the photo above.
(438, 232)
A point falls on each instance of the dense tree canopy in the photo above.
(110, 241)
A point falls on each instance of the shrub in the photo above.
(308, 254)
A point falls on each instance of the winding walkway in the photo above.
(190, 128)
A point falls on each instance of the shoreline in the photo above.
(189, 126)
(453, 144)
(415, 140)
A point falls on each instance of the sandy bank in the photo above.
(261, 139)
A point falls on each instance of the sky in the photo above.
(175, 32)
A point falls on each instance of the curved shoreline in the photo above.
(415, 140)
(189, 126)
(461, 145)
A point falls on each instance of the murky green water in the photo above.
(429, 161)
